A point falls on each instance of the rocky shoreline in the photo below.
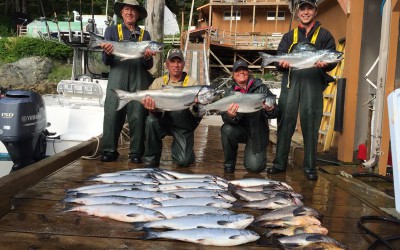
(29, 73)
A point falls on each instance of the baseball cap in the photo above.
(310, 2)
(175, 53)
(238, 64)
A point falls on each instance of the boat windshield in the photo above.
(95, 65)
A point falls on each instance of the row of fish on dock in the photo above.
(199, 208)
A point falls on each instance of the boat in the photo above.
(70, 117)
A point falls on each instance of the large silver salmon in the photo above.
(238, 221)
(126, 50)
(248, 103)
(169, 98)
(126, 213)
(304, 59)
(208, 236)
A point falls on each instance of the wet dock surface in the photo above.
(37, 220)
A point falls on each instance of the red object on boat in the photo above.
(362, 152)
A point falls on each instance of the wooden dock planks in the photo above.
(37, 219)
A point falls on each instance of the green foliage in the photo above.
(5, 27)
(268, 76)
(15, 48)
(60, 71)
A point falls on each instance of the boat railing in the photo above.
(269, 41)
(79, 92)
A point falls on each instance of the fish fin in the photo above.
(68, 208)
(81, 195)
(237, 204)
(232, 187)
(168, 87)
(71, 192)
(233, 237)
(299, 211)
(266, 59)
(121, 101)
(290, 245)
(299, 230)
(95, 40)
(223, 222)
(314, 238)
(137, 226)
(132, 215)
(268, 232)
(148, 234)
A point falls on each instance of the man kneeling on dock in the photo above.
(180, 124)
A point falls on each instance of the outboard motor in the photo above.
(23, 127)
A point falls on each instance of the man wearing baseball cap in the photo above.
(302, 90)
(128, 75)
(180, 124)
(251, 129)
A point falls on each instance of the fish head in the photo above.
(270, 100)
(206, 95)
(332, 56)
(242, 218)
(156, 46)
(250, 234)
(319, 229)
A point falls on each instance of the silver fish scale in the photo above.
(209, 236)
(248, 103)
(126, 50)
(126, 213)
(238, 221)
(305, 59)
(168, 99)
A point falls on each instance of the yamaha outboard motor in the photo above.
(23, 127)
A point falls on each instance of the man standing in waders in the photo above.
(129, 75)
(301, 90)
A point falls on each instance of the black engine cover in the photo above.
(23, 126)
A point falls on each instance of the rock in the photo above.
(27, 71)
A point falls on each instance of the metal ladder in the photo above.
(326, 131)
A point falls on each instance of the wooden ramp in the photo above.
(33, 217)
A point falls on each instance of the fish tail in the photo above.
(232, 188)
(71, 192)
(268, 232)
(237, 205)
(137, 226)
(121, 101)
(266, 59)
(148, 234)
(95, 40)
(68, 208)
(81, 194)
